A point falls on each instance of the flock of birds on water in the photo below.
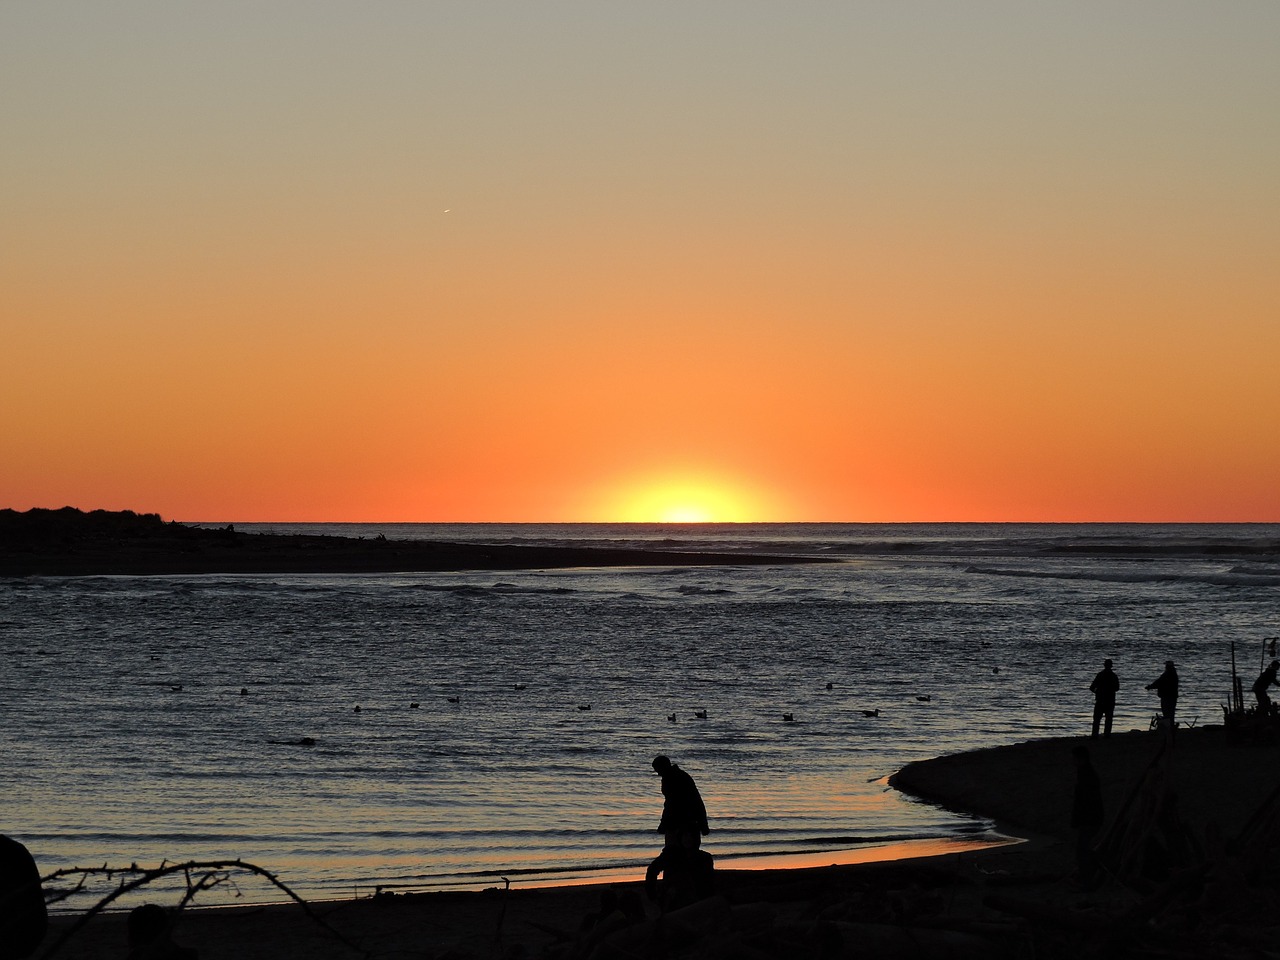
(457, 700)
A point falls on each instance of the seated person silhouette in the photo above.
(151, 936)
(23, 916)
(688, 873)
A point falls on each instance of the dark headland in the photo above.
(71, 542)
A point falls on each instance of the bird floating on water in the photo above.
(831, 686)
(788, 716)
(244, 691)
(175, 687)
(454, 699)
(584, 706)
(671, 717)
(924, 698)
(413, 705)
(518, 686)
(700, 714)
(871, 713)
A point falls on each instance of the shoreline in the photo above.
(72, 543)
(1016, 899)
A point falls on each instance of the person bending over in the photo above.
(682, 806)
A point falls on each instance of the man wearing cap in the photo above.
(682, 806)
(1166, 688)
(1104, 688)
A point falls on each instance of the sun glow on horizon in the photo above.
(690, 500)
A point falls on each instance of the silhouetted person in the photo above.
(1166, 688)
(1086, 813)
(23, 916)
(682, 807)
(151, 936)
(1104, 688)
(688, 873)
(1266, 679)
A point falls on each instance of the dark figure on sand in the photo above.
(682, 807)
(23, 917)
(1266, 679)
(151, 936)
(1104, 688)
(1166, 688)
(1086, 813)
(688, 873)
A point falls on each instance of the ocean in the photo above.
(175, 718)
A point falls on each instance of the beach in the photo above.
(1017, 900)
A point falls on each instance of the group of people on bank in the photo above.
(1106, 685)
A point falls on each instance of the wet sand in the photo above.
(1020, 900)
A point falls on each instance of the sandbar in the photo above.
(74, 543)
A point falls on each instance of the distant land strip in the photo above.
(75, 543)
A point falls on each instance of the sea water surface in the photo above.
(215, 717)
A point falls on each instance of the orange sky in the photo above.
(512, 262)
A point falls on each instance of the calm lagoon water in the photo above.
(127, 737)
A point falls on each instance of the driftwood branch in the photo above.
(207, 874)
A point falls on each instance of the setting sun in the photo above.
(689, 500)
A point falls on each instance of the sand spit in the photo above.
(69, 542)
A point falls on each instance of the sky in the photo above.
(513, 260)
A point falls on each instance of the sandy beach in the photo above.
(1185, 873)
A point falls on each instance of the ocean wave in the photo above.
(1226, 579)
(517, 590)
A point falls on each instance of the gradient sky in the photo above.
(544, 261)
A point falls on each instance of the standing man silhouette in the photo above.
(682, 806)
(1166, 688)
(1104, 688)
(1087, 814)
